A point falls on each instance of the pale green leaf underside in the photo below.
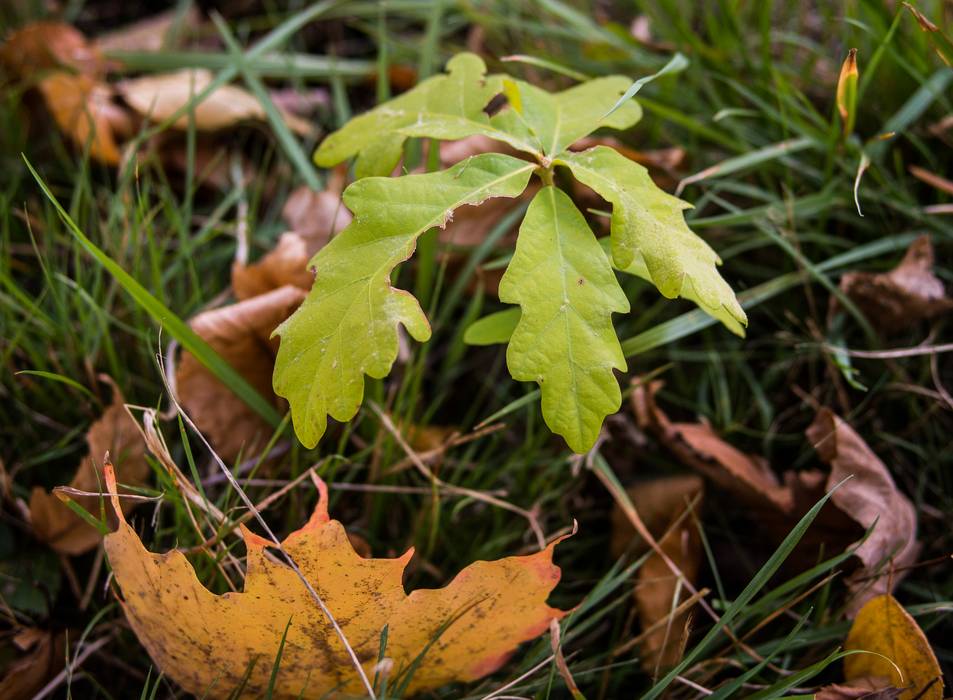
(565, 341)
(347, 326)
(554, 121)
(649, 231)
(376, 137)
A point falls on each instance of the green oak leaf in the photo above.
(347, 325)
(650, 237)
(554, 121)
(561, 278)
(376, 137)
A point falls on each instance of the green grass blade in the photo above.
(179, 330)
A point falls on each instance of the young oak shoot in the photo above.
(561, 276)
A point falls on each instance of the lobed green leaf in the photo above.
(377, 137)
(650, 237)
(564, 340)
(347, 326)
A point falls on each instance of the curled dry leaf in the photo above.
(870, 496)
(40, 656)
(698, 446)
(46, 45)
(901, 298)
(875, 688)
(160, 96)
(314, 218)
(662, 504)
(84, 111)
(241, 334)
(883, 627)
(116, 433)
(206, 642)
(150, 34)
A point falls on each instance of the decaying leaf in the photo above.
(908, 294)
(883, 627)
(875, 688)
(41, 655)
(116, 433)
(240, 333)
(160, 96)
(662, 504)
(150, 34)
(870, 496)
(45, 45)
(84, 111)
(206, 642)
(697, 445)
(314, 218)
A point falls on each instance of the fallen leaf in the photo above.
(207, 642)
(241, 334)
(41, 655)
(698, 446)
(115, 432)
(160, 96)
(149, 34)
(44, 45)
(870, 496)
(661, 504)
(84, 111)
(883, 627)
(285, 264)
(903, 297)
(876, 688)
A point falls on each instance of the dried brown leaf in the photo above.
(698, 446)
(84, 111)
(44, 45)
(908, 294)
(869, 496)
(241, 334)
(41, 655)
(149, 34)
(116, 433)
(661, 504)
(875, 688)
(158, 97)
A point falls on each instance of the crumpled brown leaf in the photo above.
(158, 97)
(84, 111)
(116, 433)
(698, 446)
(873, 688)
(904, 296)
(149, 34)
(314, 217)
(42, 657)
(241, 334)
(871, 495)
(661, 504)
(45, 45)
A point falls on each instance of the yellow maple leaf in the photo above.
(900, 650)
(208, 642)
